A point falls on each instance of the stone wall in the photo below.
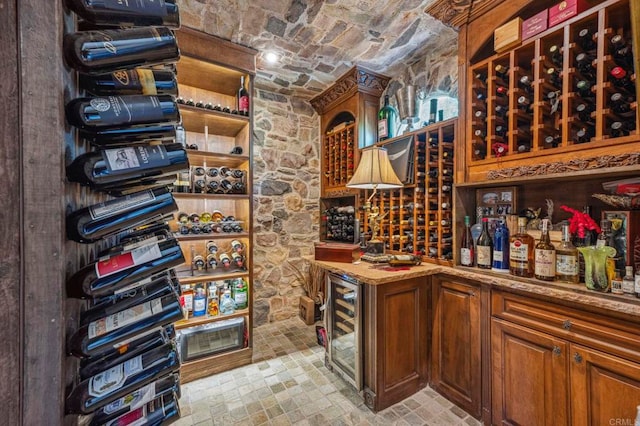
(286, 174)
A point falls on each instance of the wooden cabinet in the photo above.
(456, 369)
(209, 72)
(566, 365)
(396, 326)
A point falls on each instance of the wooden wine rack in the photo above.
(522, 142)
(341, 154)
(419, 216)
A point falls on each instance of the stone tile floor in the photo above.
(288, 384)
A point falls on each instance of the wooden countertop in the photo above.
(577, 293)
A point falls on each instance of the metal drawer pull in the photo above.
(557, 351)
(577, 357)
(566, 324)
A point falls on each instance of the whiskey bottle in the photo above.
(521, 246)
(484, 247)
(567, 259)
(138, 13)
(545, 256)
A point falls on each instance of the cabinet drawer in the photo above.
(611, 335)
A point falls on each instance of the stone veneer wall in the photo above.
(286, 174)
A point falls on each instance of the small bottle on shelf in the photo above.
(500, 261)
(484, 247)
(242, 100)
(567, 259)
(387, 120)
(521, 246)
(616, 284)
(628, 282)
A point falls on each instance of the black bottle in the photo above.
(130, 13)
(130, 135)
(96, 52)
(585, 39)
(139, 81)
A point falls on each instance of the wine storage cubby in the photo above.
(418, 217)
(340, 154)
(339, 219)
(567, 93)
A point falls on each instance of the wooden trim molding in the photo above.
(590, 163)
(454, 13)
(354, 80)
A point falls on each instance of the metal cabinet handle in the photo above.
(578, 358)
(566, 325)
(557, 351)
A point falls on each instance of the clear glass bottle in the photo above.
(567, 259)
(616, 284)
(467, 256)
(545, 256)
(484, 247)
(628, 281)
(521, 246)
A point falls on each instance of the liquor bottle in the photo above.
(101, 335)
(500, 261)
(620, 79)
(139, 81)
(90, 224)
(126, 409)
(585, 39)
(118, 272)
(127, 136)
(521, 246)
(227, 305)
(387, 117)
(118, 111)
(138, 13)
(97, 52)
(141, 343)
(567, 259)
(484, 247)
(199, 303)
(109, 168)
(605, 238)
(107, 386)
(240, 294)
(628, 281)
(545, 256)
(616, 283)
(242, 100)
(555, 54)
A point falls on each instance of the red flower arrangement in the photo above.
(580, 222)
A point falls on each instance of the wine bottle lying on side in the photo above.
(118, 272)
(120, 380)
(127, 136)
(139, 81)
(127, 13)
(90, 224)
(155, 402)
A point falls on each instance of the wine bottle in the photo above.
(115, 273)
(620, 78)
(90, 224)
(554, 77)
(620, 128)
(139, 81)
(127, 408)
(524, 103)
(545, 256)
(97, 52)
(467, 256)
(567, 259)
(501, 111)
(584, 63)
(109, 168)
(119, 111)
(584, 134)
(502, 72)
(141, 343)
(555, 54)
(479, 151)
(502, 91)
(620, 104)
(107, 386)
(622, 52)
(484, 247)
(131, 135)
(584, 111)
(500, 262)
(387, 117)
(242, 105)
(584, 89)
(140, 13)
(585, 39)
(526, 83)
(521, 246)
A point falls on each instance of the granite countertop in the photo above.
(577, 293)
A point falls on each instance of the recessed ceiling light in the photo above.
(271, 57)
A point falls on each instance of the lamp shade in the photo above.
(374, 171)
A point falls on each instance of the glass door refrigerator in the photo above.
(344, 323)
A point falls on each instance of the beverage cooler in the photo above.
(344, 325)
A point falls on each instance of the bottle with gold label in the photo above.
(213, 307)
(545, 256)
(521, 246)
(567, 259)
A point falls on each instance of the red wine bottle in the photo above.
(243, 99)
(92, 223)
(110, 275)
(126, 136)
(111, 168)
(119, 111)
(102, 334)
(120, 380)
(125, 410)
(139, 81)
(97, 52)
(620, 78)
(140, 185)
(163, 410)
(141, 343)
(127, 13)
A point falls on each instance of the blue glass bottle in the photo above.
(501, 247)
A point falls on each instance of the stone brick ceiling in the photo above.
(317, 40)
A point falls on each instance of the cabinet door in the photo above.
(605, 389)
(456, 368)
(529, 377)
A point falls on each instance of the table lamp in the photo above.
(374, 172)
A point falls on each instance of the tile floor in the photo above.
(288, 384)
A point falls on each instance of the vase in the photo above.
(595, 266)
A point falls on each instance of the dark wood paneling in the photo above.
(10, 246)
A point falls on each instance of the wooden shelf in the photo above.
(217, 159)
(195, 119)
(204, 367)
(211, 236)
(196, 196)
(194, 321)
(216, 276)
(208, 76)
